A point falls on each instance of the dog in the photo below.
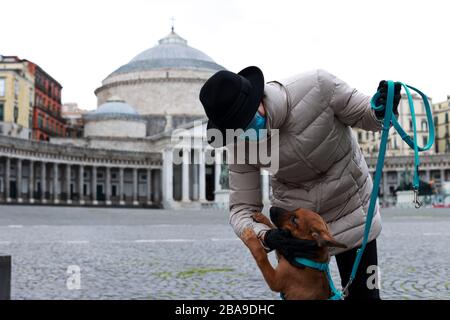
(295, 283)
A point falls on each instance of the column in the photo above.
(19, 181)
(121, 189)
(265, 186)
(167, 178)
(149, 186)
(108, 186)
(8, 179)
(94, 185)
(442, 176)
(202, 176)
(185, 176)
(67, 180)
(81, 184)
(43, 182)
(217, 168)
(195, 178)
(135, 187)
(31, 183)
(55, 183)
(385, 186)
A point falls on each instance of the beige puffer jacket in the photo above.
(321, 167)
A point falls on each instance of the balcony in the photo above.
(51, 113)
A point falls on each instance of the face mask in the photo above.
(254, 129)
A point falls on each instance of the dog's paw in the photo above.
(261, 218)
(248, 236)
(252, 242)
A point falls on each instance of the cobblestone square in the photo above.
(163, 254)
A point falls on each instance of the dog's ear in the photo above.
(324, 239)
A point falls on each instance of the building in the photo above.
(399, 165)
(162, 83)
(47, 119)
(119, 158)
(73, 117)
(442, 123)
(369, 141)
(45, 173)
(30, 101)
(16, 97)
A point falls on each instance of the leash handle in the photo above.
(389, 119)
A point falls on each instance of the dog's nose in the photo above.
(275, 214)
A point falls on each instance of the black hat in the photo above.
(231, 100)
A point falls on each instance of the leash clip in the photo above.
(416, 201)
(345, 290)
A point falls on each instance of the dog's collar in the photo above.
(311, 264)
(324, 267)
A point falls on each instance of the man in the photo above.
(321, 166)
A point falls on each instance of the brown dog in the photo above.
(295, 283)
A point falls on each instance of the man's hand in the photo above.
(383, 88)
(290, 247)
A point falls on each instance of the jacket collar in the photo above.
(275, 104)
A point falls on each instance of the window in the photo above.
(424, 125)
(2, 87)
(2, 106)
(31, 97)
(16, 88)
(446, 117)
(16, 113)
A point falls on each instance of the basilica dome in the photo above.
(115, 106)
(114, 118)
(171, 52)
(162, 83)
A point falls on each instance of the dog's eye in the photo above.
(294, 220)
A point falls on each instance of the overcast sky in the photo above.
(81, 42)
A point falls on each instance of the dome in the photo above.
(114, 119)
(114, 107)
(171, 52)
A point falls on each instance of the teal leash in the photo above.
(389, 119)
